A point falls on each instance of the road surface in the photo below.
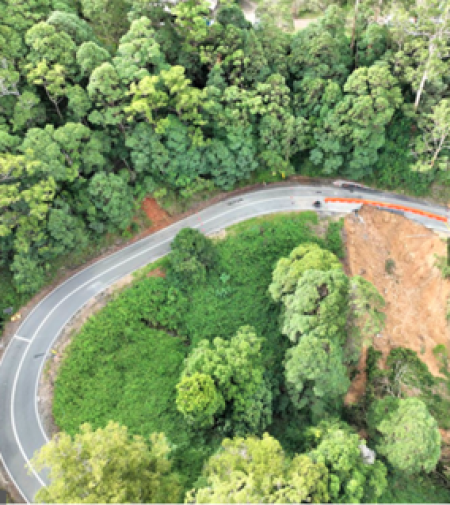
(22, 432)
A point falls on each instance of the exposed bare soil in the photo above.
(155, 213)
(416, 294)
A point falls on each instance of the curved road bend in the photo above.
(21, 429)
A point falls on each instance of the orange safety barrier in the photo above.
(387, 205)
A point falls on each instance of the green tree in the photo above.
(112, 202)
(29, 111)
(107, 466)
(79, 104)
(281, 133)
(108, 17)
(62, 152)
(231, 160)
(319, 304)
(237, 370)
(410, 440)
(52, 62)
(198, 400)
(77, 29)
(366, 305)
(195, 34)
(275, 45)
(90, 56)
(322, 49)
(280, 13)
(15, 19)
(107, 92)
(350, 479)
(154, 97)
(48, 44)
(53, 80)
(372, 44)
(253, 470)
(66, 230)
(288, 271)
(315, 376)
(22, 197)
(138, 54)
(248, 65)
(366, 318)
(232, 14)
(28, 272)
(192, 255)
(162, 21)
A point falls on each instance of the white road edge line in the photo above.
(13, 479)
(16, 378)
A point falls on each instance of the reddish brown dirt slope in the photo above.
(415, 293)
(155, 213)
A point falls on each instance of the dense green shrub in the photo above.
(193, 255)
(417, 489)
(333, 238)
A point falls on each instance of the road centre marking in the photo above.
(21, 338)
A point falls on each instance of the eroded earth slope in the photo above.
(398, 257)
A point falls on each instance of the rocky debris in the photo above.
(368, 455)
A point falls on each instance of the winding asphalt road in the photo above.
(21, 430)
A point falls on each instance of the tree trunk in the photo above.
(354, 25)
(55, 103)
(420, 90)
(68, 158)
(438, 150)
(431, 49)
(378, 14)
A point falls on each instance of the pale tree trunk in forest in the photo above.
(354, 24)
(438, 150)
(420, 90)
(378, 14)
